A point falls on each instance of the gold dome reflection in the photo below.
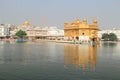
(82, 56)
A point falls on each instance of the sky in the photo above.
(56, 12)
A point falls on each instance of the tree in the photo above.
(105, 36)
(112, 37)
(21, 34)
(109, 37)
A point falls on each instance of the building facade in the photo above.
(4, 31)
(34, 33)
(80, 30)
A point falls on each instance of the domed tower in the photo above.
(77, 21)
(94, 22)
(26, 23)
(85, 21)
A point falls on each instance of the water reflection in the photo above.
(16, 53)
(82, 56)
(109, 44)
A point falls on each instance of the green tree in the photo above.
(21, 34)
(109, 37)
(112, 37)
(105, 36)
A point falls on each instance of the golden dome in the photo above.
(77, 21)
(26, 23)
(73, 23)
(94, 21)
(84, 20)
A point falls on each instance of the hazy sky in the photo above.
(56, 12)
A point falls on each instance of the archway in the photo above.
(77, 38)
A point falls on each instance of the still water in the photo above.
(57, 61)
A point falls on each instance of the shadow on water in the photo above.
(81, 56)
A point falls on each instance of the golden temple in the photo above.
(80, 29)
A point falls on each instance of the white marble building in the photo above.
(38, 32)
(4, 30)
(54, 31)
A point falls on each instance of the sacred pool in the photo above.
(59, 61)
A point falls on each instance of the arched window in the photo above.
(83, 33)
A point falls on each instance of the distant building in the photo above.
(12, 30)
(54, 32)
(80, 30)
(40, 33)
(4, 31)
